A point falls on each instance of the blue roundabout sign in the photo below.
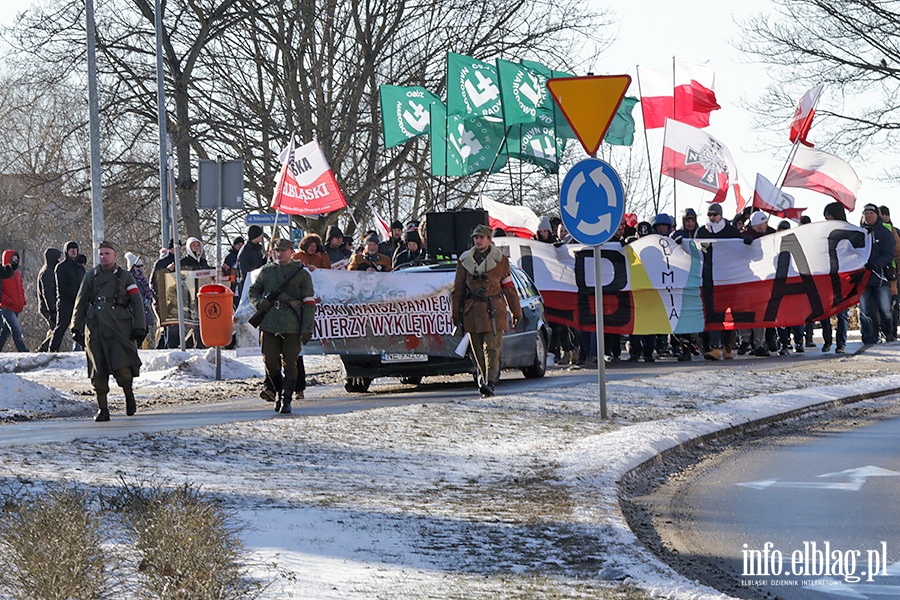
(592, 201)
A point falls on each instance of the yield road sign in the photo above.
(589, 104)
(592, 201)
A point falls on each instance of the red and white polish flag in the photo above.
(696, 158)
(772, 200)
(825, 173)
(803, 116)
(519, 221)
(306, 184)
(688, 99)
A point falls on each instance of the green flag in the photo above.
(557, 119)
(438, 138)
(535, 144)
(474, 145)
(472, 87)
(404, 112)
(523, 93)
(621, 130)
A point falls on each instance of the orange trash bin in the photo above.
(216, 314)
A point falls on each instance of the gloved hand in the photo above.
(78, 336)
(138, 335)
(869, 266)
(678, 239)
(748, 241)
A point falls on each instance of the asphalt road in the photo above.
(803, 517)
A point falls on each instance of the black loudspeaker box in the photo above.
(450, 233)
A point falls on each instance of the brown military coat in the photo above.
(476, 285)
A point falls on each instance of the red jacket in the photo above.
(13, 296)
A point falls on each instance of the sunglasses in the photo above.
(713, 215)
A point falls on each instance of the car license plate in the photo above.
(401, 357)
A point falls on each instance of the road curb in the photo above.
(745, 428)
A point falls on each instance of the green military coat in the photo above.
(294, 310)
(107, 309)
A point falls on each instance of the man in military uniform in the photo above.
(108, 321)
(481, 292)
(284, 291)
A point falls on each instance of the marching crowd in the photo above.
(879, 308)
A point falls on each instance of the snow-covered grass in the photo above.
(507, 497)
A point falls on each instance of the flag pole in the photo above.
(494, 162)
(674, 180)
(646, 141)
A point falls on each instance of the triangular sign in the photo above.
(589, 104)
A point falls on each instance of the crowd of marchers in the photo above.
(879, 305)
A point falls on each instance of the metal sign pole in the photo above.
(176, 243)
(598, 310)
(219, 253)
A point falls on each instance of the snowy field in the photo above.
(513, 496)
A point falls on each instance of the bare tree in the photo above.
(852, 46)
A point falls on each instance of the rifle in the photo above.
(265, 305)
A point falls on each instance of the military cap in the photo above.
(483, 230)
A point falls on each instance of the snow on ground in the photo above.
(507, 497)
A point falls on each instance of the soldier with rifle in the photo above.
(285, 304)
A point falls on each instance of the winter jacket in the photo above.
(729, 231)
(249, 259)
(294, 308)
(108, 309)
(317, 259)
(482, 291)
(191, 261)
(407, 255)
(882, 256)
(364, 262)
(46, 283)
(69, 275)
(12, 296)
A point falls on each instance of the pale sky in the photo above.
(652, 32)
(649, 34)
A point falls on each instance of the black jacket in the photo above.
(69, 275)
(882, 254)
(249, 259)
(47, 283)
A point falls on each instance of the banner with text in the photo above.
(371, 313)
(654, 285)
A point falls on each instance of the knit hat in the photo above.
(132, 259)
(412, 236)
(71, 245)
(544, 224)
(836, 211)
(689, 212)
(373, 238)
(871, 207)
(254, 231)
(238, 240)
(334, 232)
(784, 225)
(715, 207)
(396, 224)
(758, 217)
